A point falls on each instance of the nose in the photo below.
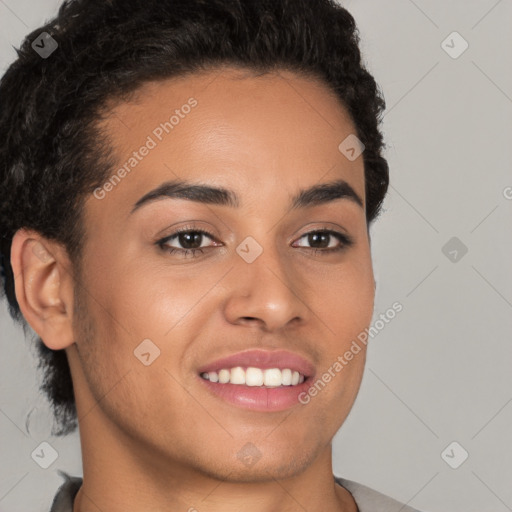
(266, 293)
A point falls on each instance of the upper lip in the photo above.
(262, 359)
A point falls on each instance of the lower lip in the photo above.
(259, 398)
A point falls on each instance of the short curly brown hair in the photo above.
(51, 157)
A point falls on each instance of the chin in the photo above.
(251, 466)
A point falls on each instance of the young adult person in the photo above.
(187, 191)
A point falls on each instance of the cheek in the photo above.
(346, 310)
(348, 297)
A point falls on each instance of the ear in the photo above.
(44, 287)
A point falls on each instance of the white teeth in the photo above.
(253, 377)
(237, 375)
(286, 375)
(224, 376)
(270, 377)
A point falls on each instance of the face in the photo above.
(176, 279)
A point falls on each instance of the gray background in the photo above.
(440, 371)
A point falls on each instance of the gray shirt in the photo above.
(367, 499)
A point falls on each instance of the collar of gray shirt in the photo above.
(367, 500)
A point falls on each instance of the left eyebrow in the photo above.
(325, 193)
(182, 189)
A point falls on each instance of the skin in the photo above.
(152, 437)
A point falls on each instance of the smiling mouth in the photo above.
(255, 377)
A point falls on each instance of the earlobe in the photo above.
(44, 287)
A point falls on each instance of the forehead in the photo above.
(262, 133)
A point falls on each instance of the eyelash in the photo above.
(345, 240)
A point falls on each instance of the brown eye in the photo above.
(187, 240)
(326, 241)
